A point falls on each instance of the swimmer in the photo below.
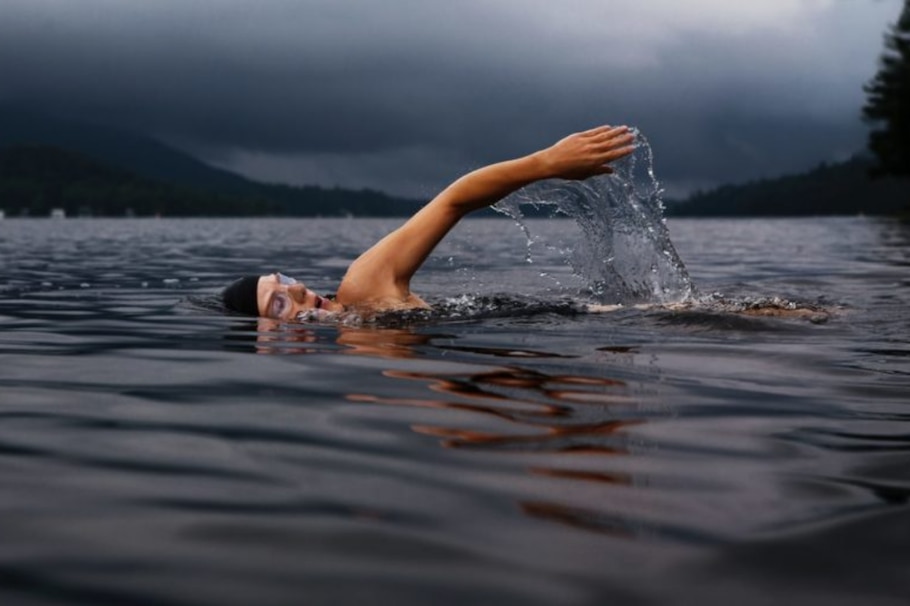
(380, 279)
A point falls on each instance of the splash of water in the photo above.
(624, 253)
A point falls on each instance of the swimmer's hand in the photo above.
(586, 154)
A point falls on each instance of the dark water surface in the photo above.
(153, 451)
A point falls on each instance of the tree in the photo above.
(888, 102)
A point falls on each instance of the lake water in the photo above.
(156, 451)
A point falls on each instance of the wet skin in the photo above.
(379, 279)
(283, 298)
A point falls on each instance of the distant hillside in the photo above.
(36, 179)
(145, 158)
(830, 189)
(136, 154)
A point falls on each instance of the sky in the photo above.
(405, 95)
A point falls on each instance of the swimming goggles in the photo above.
(280, 303)
(283, 279)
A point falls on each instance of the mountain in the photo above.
(843, 188)
(36, 179)
(134, 153)
(153, 162)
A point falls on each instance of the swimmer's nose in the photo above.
(297, 292)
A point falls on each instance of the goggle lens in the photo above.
(283, 279)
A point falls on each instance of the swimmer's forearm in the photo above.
(486, 186)
(577, 156)
(389, 264)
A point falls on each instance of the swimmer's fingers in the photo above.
(598, 130)
(605, 131)
(587, 153)
(609, 141)
(604, 139)
(612, 153)
(612, 144)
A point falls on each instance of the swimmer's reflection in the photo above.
(540, 407)
(275, 337)
(544, 413)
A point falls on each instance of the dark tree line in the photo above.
(35, 179)
(844, 188)
(887, 107)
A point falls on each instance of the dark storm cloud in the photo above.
(403, 94)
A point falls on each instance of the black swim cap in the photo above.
(241, 296)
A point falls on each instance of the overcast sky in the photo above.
(404, 95)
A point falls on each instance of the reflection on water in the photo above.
(155, 451)
(543, 412)
(273, 337)
(541, 407)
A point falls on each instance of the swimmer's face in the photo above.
(282, 298)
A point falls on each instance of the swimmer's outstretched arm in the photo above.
(384, 271)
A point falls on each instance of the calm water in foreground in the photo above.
(153, 451)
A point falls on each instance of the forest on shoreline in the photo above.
(844, 188)
(36, 179)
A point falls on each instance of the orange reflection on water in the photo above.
(545, 414)
(515, 409)
(535, 400)
(277, 337)
(274, 337)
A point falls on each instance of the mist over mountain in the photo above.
(156, 168)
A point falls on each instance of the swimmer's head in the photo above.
(241, 296)
(274, 296)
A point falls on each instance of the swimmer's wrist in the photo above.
(541, 166)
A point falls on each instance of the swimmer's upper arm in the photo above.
(386, 269)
